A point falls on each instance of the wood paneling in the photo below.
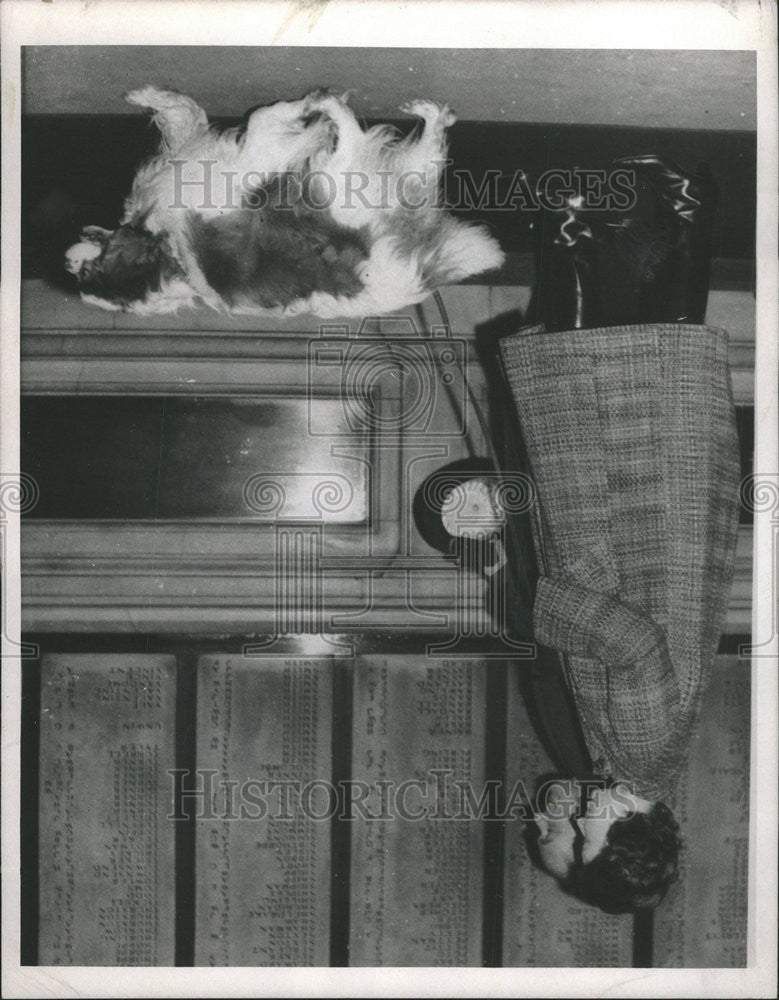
(106, 848)
(224, 577)
(304, 837)
(262, 864)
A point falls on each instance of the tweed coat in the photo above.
(632, 444)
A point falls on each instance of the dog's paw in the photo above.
(177, 116)
(430, 112)
(324, 101)
(151, 97)
(319, 95)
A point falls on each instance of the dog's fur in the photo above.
(304, 212)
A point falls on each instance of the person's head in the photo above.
(607, 846)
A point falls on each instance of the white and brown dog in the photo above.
(301, 211)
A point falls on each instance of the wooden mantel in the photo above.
(222, 578)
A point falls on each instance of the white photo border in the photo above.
(644, 24)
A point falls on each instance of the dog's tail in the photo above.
(459, 251)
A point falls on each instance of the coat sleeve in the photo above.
(622, 677)
(580, 621)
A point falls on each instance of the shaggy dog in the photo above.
(301, 211)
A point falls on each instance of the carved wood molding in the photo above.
(261, 572)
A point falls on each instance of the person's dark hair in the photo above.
(636, 866)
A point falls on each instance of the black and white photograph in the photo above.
(389, 499)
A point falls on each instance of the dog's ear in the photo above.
(134, 248)
(177, 117)
(135, 255)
